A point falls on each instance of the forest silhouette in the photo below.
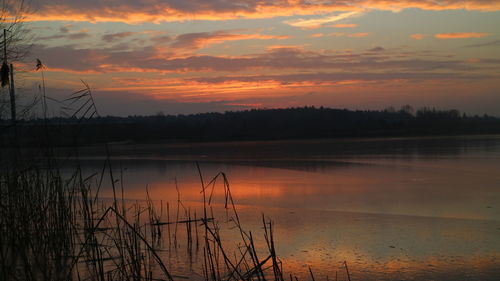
(261, 124)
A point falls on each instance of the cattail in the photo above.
(39, 65)
(4, 73)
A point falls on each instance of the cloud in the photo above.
(72, 58)
(75, 36)
(156, 60)
(281, 70)
(116, 36)
(134, 11)
(487, 44)
(322, 78)
(162, 39)
(359, 34)
(344, 25)
(318, 22)
(202, 39)
(343, 34)
(65, 28)
(336, 34)
(377, 49)
(417, 36)
(460, 35)
(66, 33)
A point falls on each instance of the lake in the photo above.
(393, 209)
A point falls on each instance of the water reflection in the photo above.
(445, 188)
(407, 209)
(426, 147)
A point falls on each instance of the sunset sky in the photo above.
(188, 56)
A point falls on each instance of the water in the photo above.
(394, 209)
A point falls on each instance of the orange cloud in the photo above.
(417, 36)
(132, 11)
(460, 35)
(359, 34)
(344, 25)
(203, 39)
(290, 48)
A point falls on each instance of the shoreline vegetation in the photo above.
(258, 125)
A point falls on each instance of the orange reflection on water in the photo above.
(431, 213)
(381, 247)
(256, 185)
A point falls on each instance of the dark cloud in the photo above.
(66, 33)
(65, 28)
(73, 58)
(194, 40)
(116, 36)
(73, 36)
(163, 39)
(377, 49)
(486, 44)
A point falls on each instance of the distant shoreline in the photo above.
(299, 124)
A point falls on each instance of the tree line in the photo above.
(260, 124)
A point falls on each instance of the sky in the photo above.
(188, 56)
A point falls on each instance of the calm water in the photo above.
(394, 209)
